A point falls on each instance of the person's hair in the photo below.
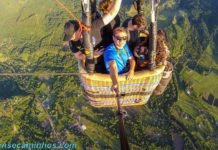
(104, 6)
(139, 20)
(119, 29)
(161, 48)
(161, 39)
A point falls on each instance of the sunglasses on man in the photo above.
(120, 38)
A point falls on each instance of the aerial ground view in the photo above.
(41, 104)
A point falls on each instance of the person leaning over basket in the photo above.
(116, 56)
(135, 26)
(73, 32)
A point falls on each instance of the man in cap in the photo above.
(73, 32)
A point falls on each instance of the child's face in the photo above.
(143, 49)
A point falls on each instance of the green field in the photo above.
(37, 109)
(201, 83)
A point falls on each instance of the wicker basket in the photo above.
(167, 76)
(133, 92)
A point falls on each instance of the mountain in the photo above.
(51, 109)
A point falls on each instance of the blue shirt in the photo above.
(120, 56)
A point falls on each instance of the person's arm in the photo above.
(98, 52)
(79, 55)
(167, 51)
(135, 51)
(114, 76)
(167, 54)
(132, 63)
(76, 47)
(132, 68)
(112, 13)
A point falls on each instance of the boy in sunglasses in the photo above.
(116, 56)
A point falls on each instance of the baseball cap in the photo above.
(70, 28)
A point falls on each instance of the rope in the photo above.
(82, 26)
(123, 139)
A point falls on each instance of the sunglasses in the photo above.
(121, 38)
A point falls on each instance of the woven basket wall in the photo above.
(133, 92)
